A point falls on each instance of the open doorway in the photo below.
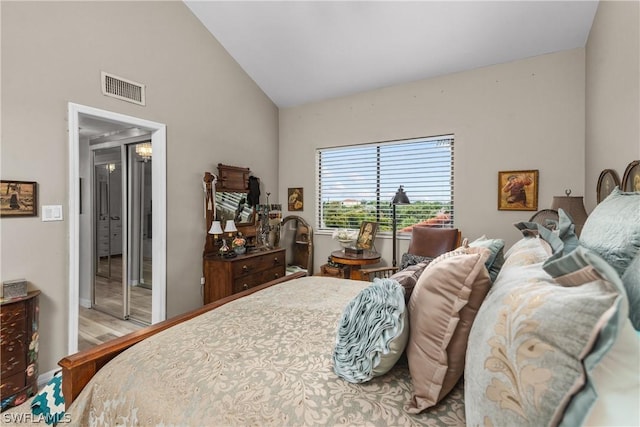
(106, 149)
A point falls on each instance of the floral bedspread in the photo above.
(265, 359)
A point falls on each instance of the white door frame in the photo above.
(159, 207)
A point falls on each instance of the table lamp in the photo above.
(573, 206)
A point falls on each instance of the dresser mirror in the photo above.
(233, 206)
(229, 193)
(232, 189)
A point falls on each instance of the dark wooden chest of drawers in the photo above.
(227, 276)
(19, 348)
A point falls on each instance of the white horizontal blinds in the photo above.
(357, 183)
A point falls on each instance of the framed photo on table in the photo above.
(631, 177)
(607, 181)
(18, 198)
(518, 190)
(367, 235)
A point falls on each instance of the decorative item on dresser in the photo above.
(19, 342)
(227, 276)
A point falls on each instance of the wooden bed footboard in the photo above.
(79, 368)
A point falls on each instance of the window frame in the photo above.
(381, 195)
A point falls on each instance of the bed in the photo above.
(263, 358)
(542, 333)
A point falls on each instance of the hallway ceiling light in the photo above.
(144, 150)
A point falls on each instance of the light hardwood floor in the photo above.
(108, 297)
(96, 326)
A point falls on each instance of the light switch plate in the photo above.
(52, 213)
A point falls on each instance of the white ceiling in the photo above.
(306, 51)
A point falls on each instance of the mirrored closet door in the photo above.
(109, 290)
(122, 231)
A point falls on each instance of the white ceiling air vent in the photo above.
(126, 90)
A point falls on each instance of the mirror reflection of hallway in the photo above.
(140, 281)
(122, 218)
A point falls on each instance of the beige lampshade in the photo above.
(215, 228)
(230, 227)
(574, 207)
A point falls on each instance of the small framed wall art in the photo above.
(18, 198)
(296, 200)
(607, 181)
(518, 190)
(631, 177)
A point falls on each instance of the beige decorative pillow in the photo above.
(442, 308)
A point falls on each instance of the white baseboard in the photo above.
(86, 303)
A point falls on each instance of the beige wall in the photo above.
(613, 92)
(527, 114)
(52, 54)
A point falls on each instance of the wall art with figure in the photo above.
(18, 198)
(518, 190)
(295, 198)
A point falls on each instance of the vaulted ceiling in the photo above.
(306, 51)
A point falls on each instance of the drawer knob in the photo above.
(276, 261)
(245, 268)
(276, 275)
(245, 286)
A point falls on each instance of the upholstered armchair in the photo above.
(426, 242)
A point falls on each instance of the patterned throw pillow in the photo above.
(49, 403)
(410, 259)
(533, 341)
(408, 277)
(372, 333)
(442, 309)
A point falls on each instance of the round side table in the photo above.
(355, 261)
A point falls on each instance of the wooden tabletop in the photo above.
(367, 257)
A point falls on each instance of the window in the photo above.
(357, 183)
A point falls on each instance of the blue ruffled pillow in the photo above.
(372, 333)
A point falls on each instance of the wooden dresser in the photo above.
(227, 276)
(19, 347)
